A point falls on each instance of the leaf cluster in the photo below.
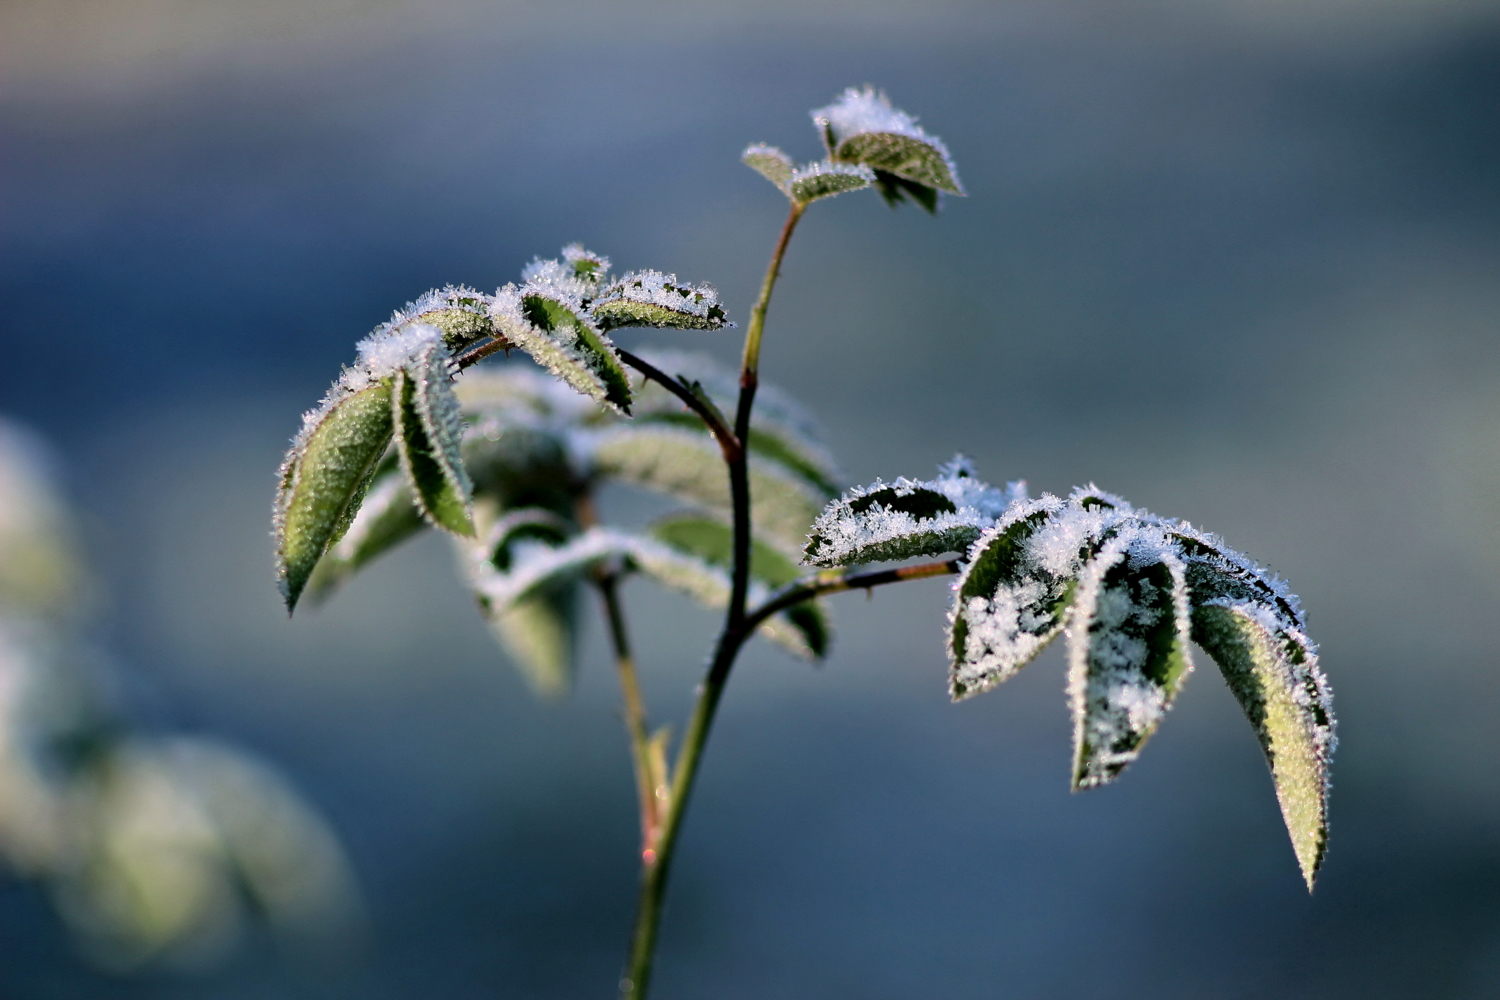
(1129, 590)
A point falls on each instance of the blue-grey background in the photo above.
(1234, 260)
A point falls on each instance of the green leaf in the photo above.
(324, 479)
(1014, 596)
(1218, 573)
(771, 163)
(904, 520)
(1127, 651)
(461, 314)
(539, 635)
(713, 542)
(530, 524)
(654, 299)
(910, 158)
(1272, 668)
(799, 455)
(387, 517)
(707, 581)
(546, 567)
(559, 339)
(826, 178)
(428, 434)
(895, 190)
(688, 466)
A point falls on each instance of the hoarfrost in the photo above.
(908, 518)
(1127, 649)
(651, 298)
(864, 109)
(825, 178)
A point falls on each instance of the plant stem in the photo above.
(646, 779)
(656, 860)
(712, 419)
(835, 580)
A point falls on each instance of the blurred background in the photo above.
(1234, 260)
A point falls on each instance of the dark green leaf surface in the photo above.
(1002, 573)
(428, 436)
(826, 179)
(1128, 653)
(324, 479)
(387, 517)
(904, 156)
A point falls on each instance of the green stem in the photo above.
(656, 860)
(635, 709)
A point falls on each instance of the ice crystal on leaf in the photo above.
(908, 518)
(862, 127)
(651, 298)
(826, 178)
(1129, 589)
(771, 163)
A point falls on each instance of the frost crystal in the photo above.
(865, 109)
(907, 518)
(825, 178)
(1127, 650)
(651, 298)
(771, 163)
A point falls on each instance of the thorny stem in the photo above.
(729, 444)
(478, 354)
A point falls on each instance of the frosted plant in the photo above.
(155, 848)
(508, 462)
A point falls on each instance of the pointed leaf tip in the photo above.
(771, 163)
(324, 479)
(1272, 668)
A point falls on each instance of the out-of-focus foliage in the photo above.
(156, 849)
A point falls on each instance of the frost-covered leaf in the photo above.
(1215, 572)
(542, 566)
(771, 163)
(826, 178)
(325, 476)
(707, 581)
(1127, 650)
(539, 634)
(461, 314)
(517, 527)
(654, 299)
(1272, 668)
(907, 519)
(687, 465)
(428, 431)
(1013, 596)
(387, 517)
(861, 126)
(587, 266)
(551, 329)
